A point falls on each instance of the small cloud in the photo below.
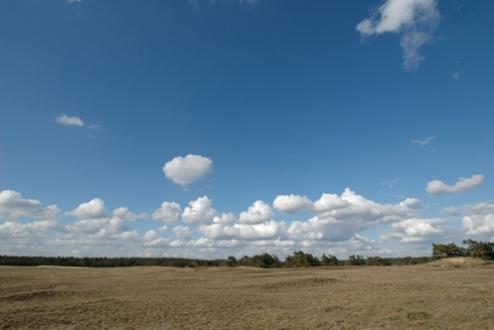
(292, 203)
(439, 188)
(428, 140)
(455, 75)
(391, 183)
(258, 212)
(93, 209)
(169, 212)
(414, 20)
(70, 120)
(75, 121)
(188, 169)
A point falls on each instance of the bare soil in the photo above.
(426, 296)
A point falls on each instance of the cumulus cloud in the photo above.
(337, 224)
(479, 224)
(352, 205)
(199, 211)
(439, 188)
(182, 232)
(328, 202)
(69, 120)
(188, 169)
(225, 218)
(14, 206)
(244, 231)
(415, 230)
(340, 217)
(265, 230)
(414, 20)
(478, 219)
(169, 212)
(93, 209)
(292, 203)
(256, 213)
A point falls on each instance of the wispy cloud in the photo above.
(414, 20)
(428, 140)
(69, 120)
(391, 183)
(75, 121)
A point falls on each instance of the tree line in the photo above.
(264, 260)
(471, 248)
(484, 250)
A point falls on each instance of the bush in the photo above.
(264, 260)
(378, 261)
(356, 260)
(447, 250)
(301, 259)
(329, 260)
(484, 250)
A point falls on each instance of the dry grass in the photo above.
(425, 296)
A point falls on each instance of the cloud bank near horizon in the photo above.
(334, 224)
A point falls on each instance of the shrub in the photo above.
(301, 259)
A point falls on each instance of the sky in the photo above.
(209, 128)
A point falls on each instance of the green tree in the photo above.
(329, 260)
(301, 259)
(484, 250)
(356, 260)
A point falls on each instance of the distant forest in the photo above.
(471, 248)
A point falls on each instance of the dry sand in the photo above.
(425, 296)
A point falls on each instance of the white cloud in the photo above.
(339, 218)
(414, 20)
(225, 218)
(69, 120)
(199, 211)
(439, 188)
(182, 232)
(243, 231)
(188, 169)
(14, 206)
(478, 219)
(479, 224)
(425, 142)
(266, 230)
(93, 209)
(328, 202)
(256, 213)
(351, 205)
(150, 235)
(292, 203)
(125, 214)
(337, 225)
(169, 212)
(415, 230)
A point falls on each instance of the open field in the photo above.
(424, 296)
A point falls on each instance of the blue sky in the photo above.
(271, 98)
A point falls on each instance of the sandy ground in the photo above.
(425, 296)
